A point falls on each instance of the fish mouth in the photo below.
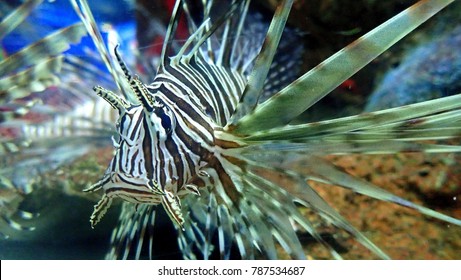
(117, 179)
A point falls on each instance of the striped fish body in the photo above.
(207, 126)
(166, 139)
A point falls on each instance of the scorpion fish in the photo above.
(209, 138)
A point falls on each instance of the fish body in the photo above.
(208, 142)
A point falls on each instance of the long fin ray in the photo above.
(316, 168)
(405, 115)
(211, 30)
(298, 190)
(134, 225)
(258, 75)
(283, 200)
(170, 33)
(10, 22)
(52, 45)
(84, 12)
(33, 79)
(315, 84)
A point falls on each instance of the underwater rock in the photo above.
(432, 180)
(430, 71)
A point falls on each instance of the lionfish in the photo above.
(209, 141)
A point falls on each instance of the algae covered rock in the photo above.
(431, 70)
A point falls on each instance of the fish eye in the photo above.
(166, 121)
